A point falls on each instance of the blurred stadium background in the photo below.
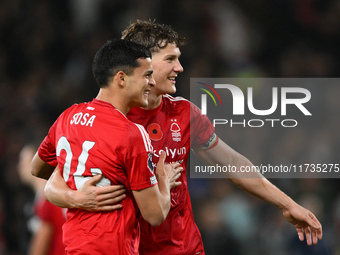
(46, 51)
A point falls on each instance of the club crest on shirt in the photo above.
(175, 131)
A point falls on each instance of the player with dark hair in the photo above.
(96, 138)
(168, 120)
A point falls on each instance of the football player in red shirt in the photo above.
(167, 120)
(48, 238)
(96, 138)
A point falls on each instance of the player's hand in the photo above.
(169, 171)
(175, 170)
(92, 198)
(305, 223)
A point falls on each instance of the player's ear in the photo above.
(121, 78)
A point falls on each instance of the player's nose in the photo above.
(152, 81)
(178, 67)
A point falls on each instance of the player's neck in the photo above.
(112, 98)
(154, 101)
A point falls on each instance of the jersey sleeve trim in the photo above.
(146, 139)
(153, 181)
(211, 143)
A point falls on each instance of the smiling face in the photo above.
(166, 67)
(139, 83)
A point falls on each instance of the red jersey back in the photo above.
(95, 138)
(169, 129)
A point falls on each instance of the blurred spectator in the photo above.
(43, 233)
(214, 232)
(47, 239)
(298, 248)
(34, 189)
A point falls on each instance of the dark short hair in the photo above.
(152, 35)
(114, 56)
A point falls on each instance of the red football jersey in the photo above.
(169, 129)
(55, 216)
(95, 138)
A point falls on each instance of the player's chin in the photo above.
(145, 102)
(142, 102)
(172, 89)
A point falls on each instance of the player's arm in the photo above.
(257, 185)
(154, 202)
(88, 197)
(40, 168)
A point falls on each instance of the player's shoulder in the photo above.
(76, 106)
(181, 102)
(175, 99)
(135, 129)
(68, 111)
(178, 101)
(136, 133)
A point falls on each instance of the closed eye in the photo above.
(148, 74)
(171, 59)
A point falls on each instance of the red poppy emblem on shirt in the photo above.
(155, 132)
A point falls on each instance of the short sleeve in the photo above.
(47, 149)
(201, 129)
(140, 169)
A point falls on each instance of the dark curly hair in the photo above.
(152, 35)
(114, 56)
